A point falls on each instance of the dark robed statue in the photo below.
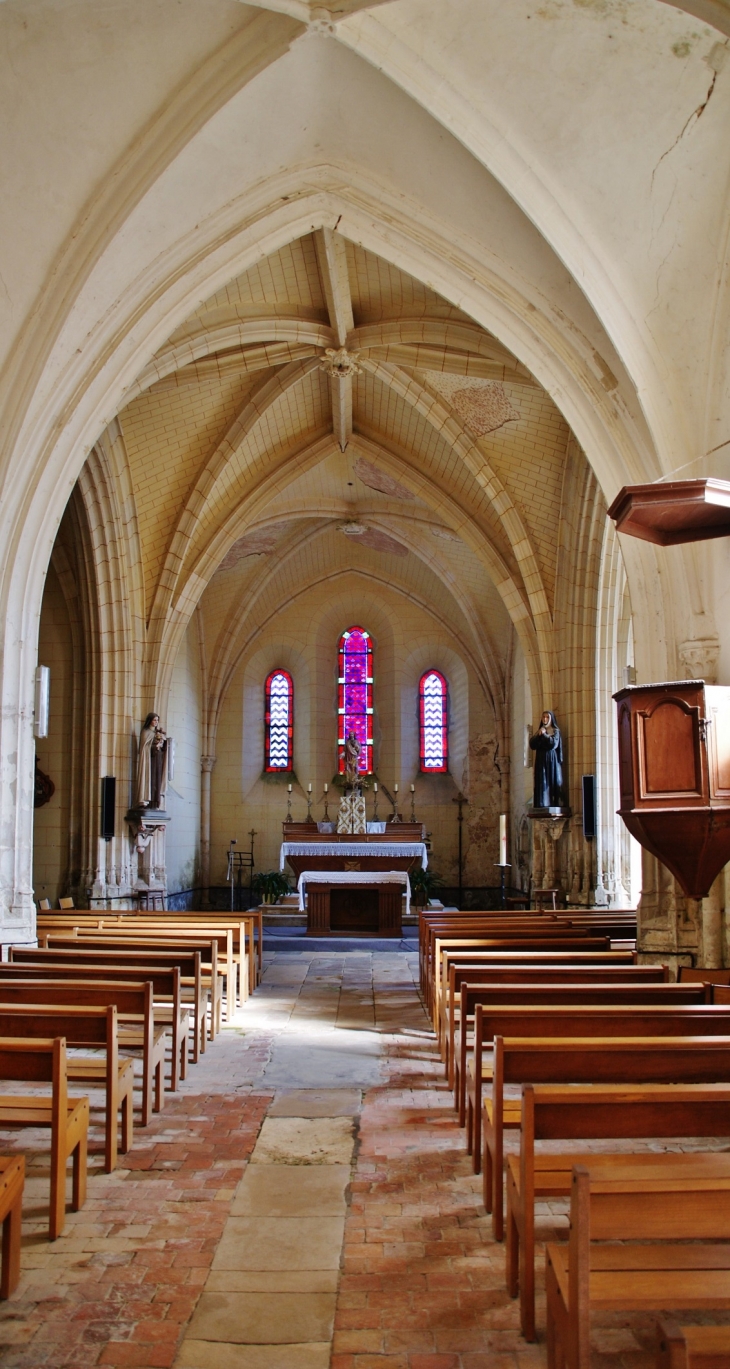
(548, 747)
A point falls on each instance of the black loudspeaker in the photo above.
(108, 804)
(589, 807)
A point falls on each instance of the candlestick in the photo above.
(309, 803)
(503, 838)
(395, 817)
(375, 803)
(326, 804)
(288, 803)
(413, 803)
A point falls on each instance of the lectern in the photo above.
(674, 776)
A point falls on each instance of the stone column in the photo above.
(206, 768)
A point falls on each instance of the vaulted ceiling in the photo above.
(325, 412)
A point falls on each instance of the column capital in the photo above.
(207, 763)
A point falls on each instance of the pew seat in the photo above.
(642, 1242)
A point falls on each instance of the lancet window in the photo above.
(433, 717)
(279, 716)
(355, 695)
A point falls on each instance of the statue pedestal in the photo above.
(148, 827)
(548, 828)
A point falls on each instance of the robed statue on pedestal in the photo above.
(151, 764)
(547, 744)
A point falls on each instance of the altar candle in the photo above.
(413, 788)
(503, 838)
(326, 788)
(396, 789)
(375, 788)
(309, 788)
(289, 788)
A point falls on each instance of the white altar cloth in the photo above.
(353, 877)
(353, 848)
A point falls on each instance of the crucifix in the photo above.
(461, 801)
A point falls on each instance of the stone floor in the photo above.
(303, 1202)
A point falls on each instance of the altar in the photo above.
(353, 884)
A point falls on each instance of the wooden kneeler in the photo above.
(12, 1182)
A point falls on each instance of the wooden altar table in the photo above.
(365, 903)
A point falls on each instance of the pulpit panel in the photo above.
(669, 755)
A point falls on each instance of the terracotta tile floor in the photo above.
(421, 1282)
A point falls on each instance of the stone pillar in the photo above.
(206, 768)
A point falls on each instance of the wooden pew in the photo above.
(141, 946)
(476, 975)
(593, 950)
(598, 994)
(688, 975)
(135, 1013)
(492, 924)
(692, 1347)
(142, 963)
(67, 1118)
(630, 1274)
(559, 1022)
(572, 1059)
(12, 1183)
(247, 931)
(84, 1027)
(165, 982)
(599, 1113)
(527, 939)
(233, 959)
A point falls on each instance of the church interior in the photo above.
(365, 457)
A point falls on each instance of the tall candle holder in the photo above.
(309, 803)
(396, 815)
(288, 803)
(413, 803)
(503, 867)
(326, 802)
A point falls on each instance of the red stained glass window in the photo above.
(433, 719)
(279, 715)
(355, 695)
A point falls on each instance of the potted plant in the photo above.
(270, 885)
(424, 884)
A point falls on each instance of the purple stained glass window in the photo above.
(433, 723)
(355, 695)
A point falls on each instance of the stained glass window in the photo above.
(355, 695)
(433, 722)
(279, 714)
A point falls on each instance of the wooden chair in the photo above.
(600, 1111)
(65, 903)
(546, 898)
(644, 1217)
(44, 904)
(143, 1034)
(84, 1026)
(12, 1183)
(692, 1347)
(67, 1118)
(560, 1022)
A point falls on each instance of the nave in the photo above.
(304, 1200)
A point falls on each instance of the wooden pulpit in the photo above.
(674, 776)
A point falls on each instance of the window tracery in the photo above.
(433, 723)
(279, 722)
(355, 695)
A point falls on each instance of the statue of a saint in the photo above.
(352, 759)
(548, 747)
(151, 764)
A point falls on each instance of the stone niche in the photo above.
(674, 776)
